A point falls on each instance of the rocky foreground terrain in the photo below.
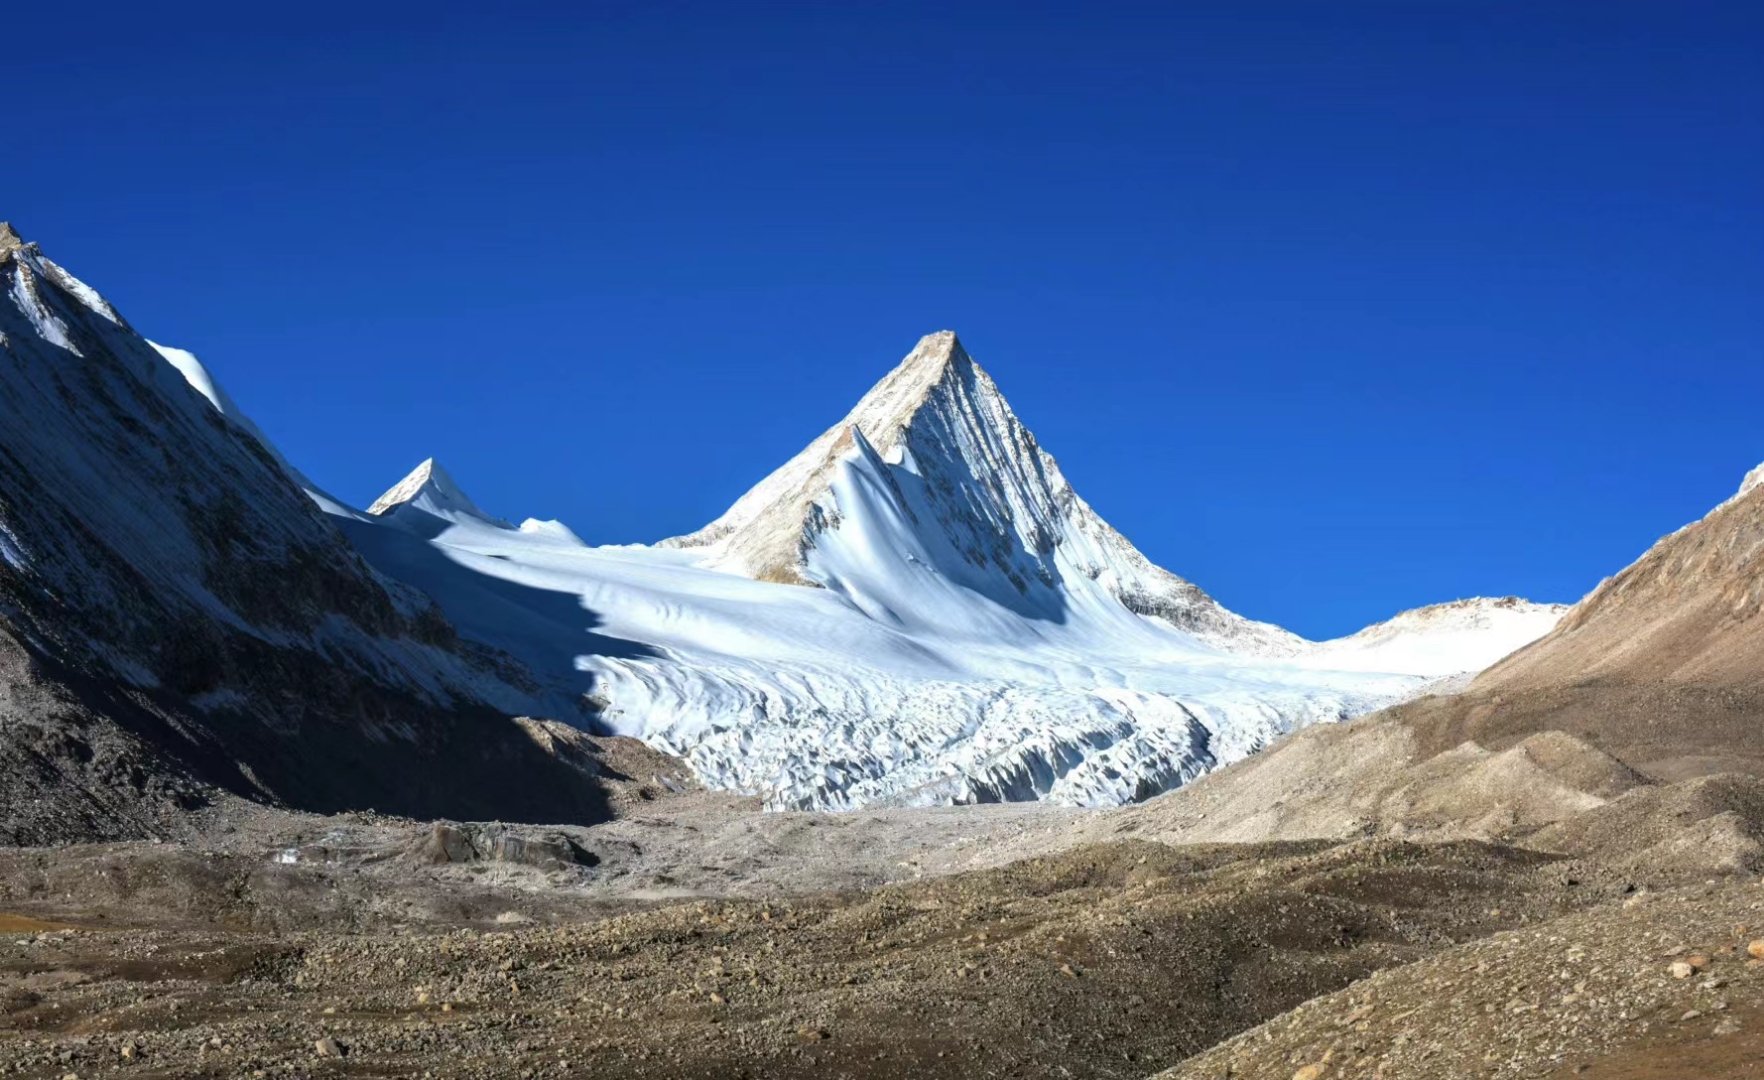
(696, 937)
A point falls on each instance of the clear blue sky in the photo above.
(1335, 309)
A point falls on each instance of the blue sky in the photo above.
(1336, 309)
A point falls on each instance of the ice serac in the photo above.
(930, 487)
(176, 617)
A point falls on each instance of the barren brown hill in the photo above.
(1661, 666)
(1597, 740)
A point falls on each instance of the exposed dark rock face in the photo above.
(177, 616)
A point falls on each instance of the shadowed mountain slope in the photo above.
(177, 616)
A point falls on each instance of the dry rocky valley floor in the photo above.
(696, 937)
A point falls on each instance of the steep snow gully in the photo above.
(918, 608)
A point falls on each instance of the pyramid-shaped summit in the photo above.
(931, 484)
(760, 535)
(429, 488)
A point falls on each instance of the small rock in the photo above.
(1681, 969)
(1756, 949)
(328, 1047)
(1309, 1072)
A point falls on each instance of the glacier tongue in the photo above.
(818, 697)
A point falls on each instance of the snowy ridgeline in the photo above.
(917, 609)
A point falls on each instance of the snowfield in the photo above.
(917, 609)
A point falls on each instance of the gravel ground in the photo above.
(1113, 960)
(1594, 995)
(693, 937)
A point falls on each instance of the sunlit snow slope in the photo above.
(1443, 639)
(917, 608)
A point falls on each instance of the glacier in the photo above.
(917, 609)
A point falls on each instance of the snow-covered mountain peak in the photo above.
(432, 490)
(937, 374)
(880, 414)
(943, 506)
(937, 359)
(9, 238)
